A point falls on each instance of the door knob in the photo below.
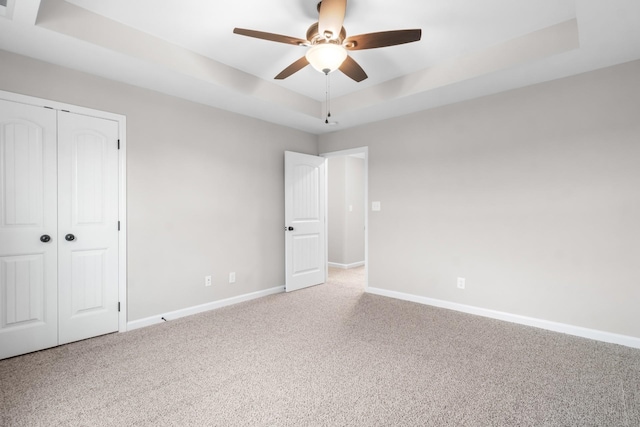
(45, 238)
(69, 237)
(289, 228)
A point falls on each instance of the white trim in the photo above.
(346, 266)
(41, 102)
(564, 328)
(122, 182)
(24, 11)
(172, 315)
(349, 152)
(326, 221)
(122, 214)
(7, 11)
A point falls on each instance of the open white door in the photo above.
(305, 227)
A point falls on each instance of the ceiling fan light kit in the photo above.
(326, 57)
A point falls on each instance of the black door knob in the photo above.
(69, 237)
(45, 238)
(290, 228)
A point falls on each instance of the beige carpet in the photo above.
(326, 356)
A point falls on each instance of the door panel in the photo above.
(305, 192)
(306, 248)
(28, 266)
(88, 269)
(90, 161)
(22, 287)
(22, 173)
(88, 210)
(305, 213)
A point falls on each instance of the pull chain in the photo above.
(327, 101)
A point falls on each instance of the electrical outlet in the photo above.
(461, 282)
(207, 280)
(232, 277)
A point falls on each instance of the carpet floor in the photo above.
(330, 355)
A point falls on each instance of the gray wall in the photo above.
(205, 187)
(354, 198)
(346, 227)
(336, 219)
(532, 195)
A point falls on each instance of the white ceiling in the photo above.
(469, 48)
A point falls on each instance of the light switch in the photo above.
(375, 206)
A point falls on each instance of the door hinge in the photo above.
(118, 225)
(118, 306)
(118, 144)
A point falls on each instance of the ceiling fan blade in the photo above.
(293, 68)
(382, 39)
(353, 70)
(331, 17)
(271, 37)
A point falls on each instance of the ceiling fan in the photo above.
(328, 42)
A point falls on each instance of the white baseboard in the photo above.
(346, 266)
(172, 315)
(579, 331)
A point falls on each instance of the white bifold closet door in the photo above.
(87, 227)
(28, 229)
(58, 227)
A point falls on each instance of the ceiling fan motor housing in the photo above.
(314, 37)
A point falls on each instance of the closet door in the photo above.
(28, 229)
(88, 226)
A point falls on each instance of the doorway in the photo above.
(347, 218)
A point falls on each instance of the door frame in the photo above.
(122, 182)
(342, 153)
